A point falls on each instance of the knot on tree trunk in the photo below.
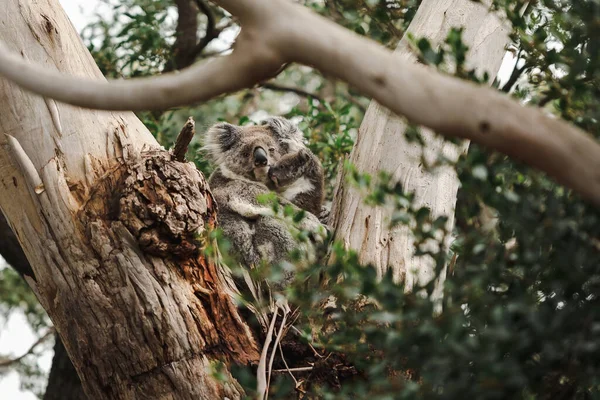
(166, 205)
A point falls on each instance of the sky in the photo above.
(15, 335)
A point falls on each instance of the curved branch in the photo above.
(40, 340)
(238, 70)
(451, 107)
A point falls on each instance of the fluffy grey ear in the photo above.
(283, 129)
(220, 138)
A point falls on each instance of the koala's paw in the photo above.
(317, 231)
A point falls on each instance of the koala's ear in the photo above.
(220, 138)
(283, 129)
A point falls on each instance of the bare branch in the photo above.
(515, 75)
(300, 92)
(282, 88)
(41, 339)
(299, 369)
(270, 38)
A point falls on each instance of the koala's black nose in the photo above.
(260, 157)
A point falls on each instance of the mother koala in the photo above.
(250, 161)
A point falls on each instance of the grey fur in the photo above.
(298, 175)
(256, 234)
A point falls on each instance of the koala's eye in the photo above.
(272, 150)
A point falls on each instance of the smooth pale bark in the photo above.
(381, 146)
(84, 191)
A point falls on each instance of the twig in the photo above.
(281, 88)
(310, 345)
(300, 92)
(299, 369)
(261, 373)
(277, 342)
(41, 339)
(394, 30)
(183, 140)
(287, 368)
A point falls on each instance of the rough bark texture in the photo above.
(381, 145)
(112, 229)
(63, 382)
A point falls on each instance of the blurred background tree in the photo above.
(519, 315)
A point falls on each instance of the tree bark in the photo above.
(63, 382)
(381, 145)
(112, 227)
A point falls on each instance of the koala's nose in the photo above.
(260, 157)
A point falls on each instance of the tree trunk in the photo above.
(381, 145)
(63, 382)
(113, 230)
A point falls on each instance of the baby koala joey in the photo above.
(297, 175)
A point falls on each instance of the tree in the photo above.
(66, 205)
(424, 331)
(382, 134)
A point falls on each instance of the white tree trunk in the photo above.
(381, 145)
(83, 192)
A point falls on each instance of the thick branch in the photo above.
(270, 38)
(184, 49)
(243, 68)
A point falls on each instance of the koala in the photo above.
(298, 175)
(243, 157)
